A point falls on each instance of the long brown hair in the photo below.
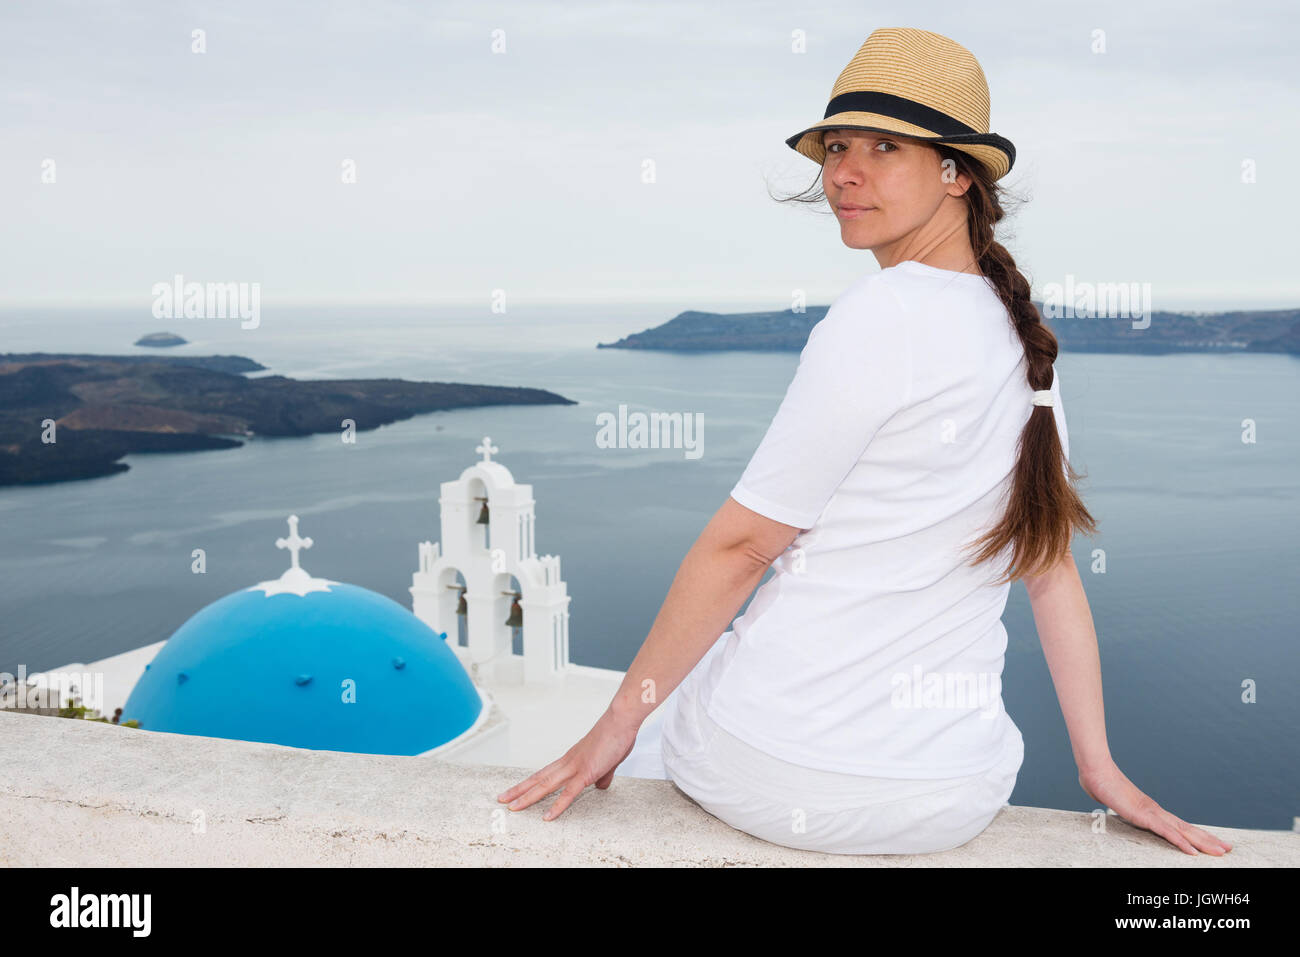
(1043, 509)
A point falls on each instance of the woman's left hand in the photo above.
(1109, 786)
(591, 761)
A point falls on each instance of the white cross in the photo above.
(293, 542)
(487, 448)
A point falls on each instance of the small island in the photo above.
(100, 408)
(161, 339)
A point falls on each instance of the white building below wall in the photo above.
(476, 586)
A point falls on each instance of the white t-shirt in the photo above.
(873, 650)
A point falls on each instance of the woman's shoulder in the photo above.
(874, 285)
(868, 307)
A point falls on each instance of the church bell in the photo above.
(461, 607)
(516, 619)
(483, 512)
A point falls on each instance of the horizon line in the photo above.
(485, 303)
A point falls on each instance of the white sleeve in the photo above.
(854, 373)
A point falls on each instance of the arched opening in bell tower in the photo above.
(514, 619)
(480, 515)
(461, 633)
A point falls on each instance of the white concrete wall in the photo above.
(85, 794)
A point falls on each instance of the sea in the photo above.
(1190, 462)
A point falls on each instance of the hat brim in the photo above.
(994, 151)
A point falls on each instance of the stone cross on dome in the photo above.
(293, 542)
(487, 448)
(294, 580)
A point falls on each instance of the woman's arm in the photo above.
(1069, 639)
(719, 572)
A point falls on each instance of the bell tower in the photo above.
(487, 536)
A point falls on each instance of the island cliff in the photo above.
(100, 408)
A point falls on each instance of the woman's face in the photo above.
(901, 181)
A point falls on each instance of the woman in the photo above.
(920, 448)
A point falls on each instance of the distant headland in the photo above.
(99, 408)
(1159, 333)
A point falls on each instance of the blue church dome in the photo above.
(310, 663)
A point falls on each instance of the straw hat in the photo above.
(913, 83)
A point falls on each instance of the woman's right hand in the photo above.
(1109, 787)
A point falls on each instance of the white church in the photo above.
(311, 662)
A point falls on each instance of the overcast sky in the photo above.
(522, 170)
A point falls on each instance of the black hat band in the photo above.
(899, 107)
